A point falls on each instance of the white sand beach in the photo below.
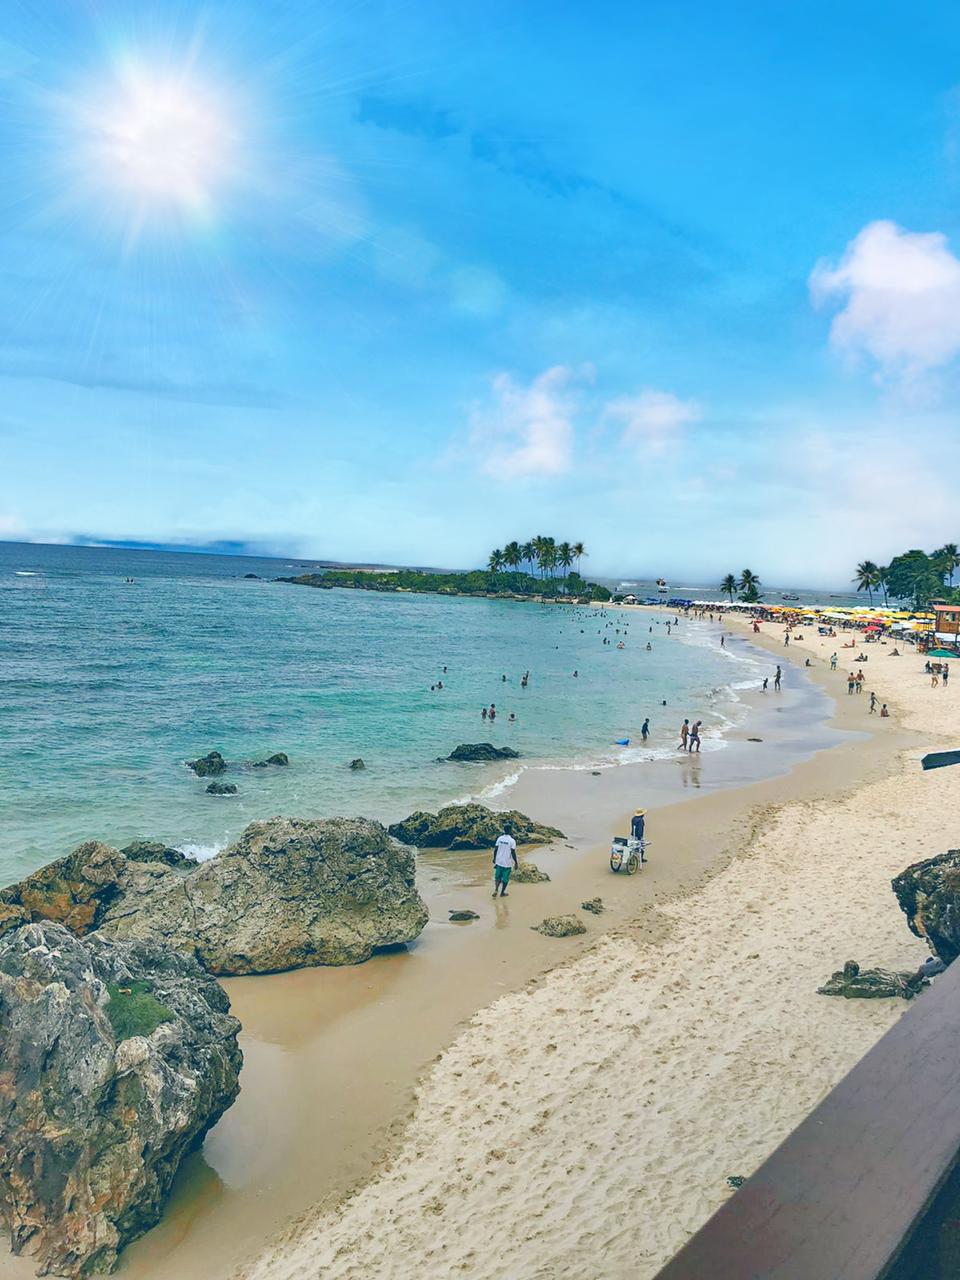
(587, 1124)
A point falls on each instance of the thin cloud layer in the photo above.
(528, 431)
(652, 419)
(900, 294)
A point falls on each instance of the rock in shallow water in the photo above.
(222, 789)
(279, 758)
(463, 915)
(117, 1059)
(209, 765)
(357, 764)
(929, 895)
(469, 826)
(560, 926)
(288, 893)
(480, 753)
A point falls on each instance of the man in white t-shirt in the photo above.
(504, 860)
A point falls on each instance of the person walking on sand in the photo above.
(504, 860)
(945, 673)
(833, 662)
(873, 702)
(693, 742)
(776, 679)
(684, 732)
(851, 682)
(860, 679)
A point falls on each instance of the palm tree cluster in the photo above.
(748, 584)
(914, 575)
(543, 555)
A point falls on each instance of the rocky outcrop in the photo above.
(929, 895)
(288, 893)
(470, 826)
(208, 766)
(75, 891)
(871, 984)
(222, 789)
(155, 851)
(279, 758)
(480, 753)
(528, 873)
(560, 927)
(357, 764)
(117, 1059)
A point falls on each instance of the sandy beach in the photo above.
(587, 1123)
(581, 1101)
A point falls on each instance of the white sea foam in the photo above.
(200, 852)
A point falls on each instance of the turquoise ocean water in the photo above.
(107, 688)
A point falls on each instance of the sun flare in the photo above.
(155, 143)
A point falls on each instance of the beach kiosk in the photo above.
(947, 622)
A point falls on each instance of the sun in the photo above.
(154, 143)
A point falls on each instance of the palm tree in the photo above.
(749, 586)
(881, 582)
(949, 557)
(866, 577)
(728, 586)
(548, 557)
(529, 552)
(512, 555)
(495, 563)
(579, 551)
(565, 555)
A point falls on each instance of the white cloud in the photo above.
(652, 419)
(528, 431)
(901, 299)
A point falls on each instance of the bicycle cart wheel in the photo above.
(633, 864)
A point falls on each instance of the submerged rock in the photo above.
(481, 753)
(357, 764)
(870, 984)
(470, 826)
(209, 765)
(560, 926)
(117, 1059)
(279, 758)
(222, 789)
(594, 906)
(288, 893)
(929, 895)
(528, 873)
(464, 915)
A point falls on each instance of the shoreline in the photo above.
(564, 1168)
(321, 1113)
(308, 1032)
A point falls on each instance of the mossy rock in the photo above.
(528, 873)
(134, 1010)
(560, 927)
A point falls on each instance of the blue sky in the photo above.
(402, 281)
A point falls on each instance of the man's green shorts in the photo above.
(501, 875)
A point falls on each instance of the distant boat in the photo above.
(662, 586)
(787, 596)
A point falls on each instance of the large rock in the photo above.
(481, 753)
(288, 893)
(117, 1059)
(279, 758)
(469, 826)
(929, 894)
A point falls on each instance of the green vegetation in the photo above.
(748, 584)
(134, 1011)
(477, 582)
(913, 577)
